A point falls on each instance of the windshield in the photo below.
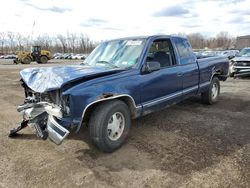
(116, 54)
(244, 52)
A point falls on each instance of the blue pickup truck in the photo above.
(120, 80)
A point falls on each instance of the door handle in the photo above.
(179, 74)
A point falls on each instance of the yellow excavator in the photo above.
(36, 54)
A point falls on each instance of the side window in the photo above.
(161, 51)
(184, 50)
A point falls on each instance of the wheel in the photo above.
(43, 59)
(26, 60)
(211, 96)
(231, 74)
(109, 125)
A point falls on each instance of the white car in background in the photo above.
(79, 56)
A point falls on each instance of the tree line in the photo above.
(221, 41)
(11, 42)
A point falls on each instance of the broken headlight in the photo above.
(66, 105)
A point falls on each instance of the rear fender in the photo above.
(218, 73)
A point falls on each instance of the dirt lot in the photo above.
(187, 145)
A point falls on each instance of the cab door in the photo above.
(190, 69)
(162, 87)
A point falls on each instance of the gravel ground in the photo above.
(187, 145)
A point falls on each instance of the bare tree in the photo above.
(20, 41)
(63, 42)
(2, 40)
(11, 39)
(45, 41)
(197, 40)
(81, 43)
(71, 38)
(223, 39)
(83, 40)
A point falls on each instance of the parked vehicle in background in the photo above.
(120, 80)
(36, 54)
(82, 56)
(10, 56)
(230, 53)
(240, 65)
(65, 56)
(79, 56)
(74, 56)
(56, 55)
(69, 56)
(204, 54)
(59, 56)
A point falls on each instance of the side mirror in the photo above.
(151, 66)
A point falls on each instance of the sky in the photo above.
(107, 19)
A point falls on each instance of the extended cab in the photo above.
(120, 80)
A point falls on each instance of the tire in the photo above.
(231, 74)
(26, 60)
(102, 125)
(43, 59)
(211, 96)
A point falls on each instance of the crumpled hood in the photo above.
(241, 58)
(49, 78)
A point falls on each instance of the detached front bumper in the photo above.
(42, 117)
(57, 133)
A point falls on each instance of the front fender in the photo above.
(85, 94)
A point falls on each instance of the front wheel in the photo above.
(109, 125)
(211, 96)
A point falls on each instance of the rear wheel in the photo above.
(26, 60)
(109, 125)
(211, 96)
(43, 59)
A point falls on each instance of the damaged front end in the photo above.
(41, 111)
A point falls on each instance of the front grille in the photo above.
(243, 63)
(50, 97)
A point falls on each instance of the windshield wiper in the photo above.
(108, 63)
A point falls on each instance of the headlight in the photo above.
(66, 105)
(231, 62)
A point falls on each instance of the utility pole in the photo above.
(32, 33)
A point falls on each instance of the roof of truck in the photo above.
(146, 37)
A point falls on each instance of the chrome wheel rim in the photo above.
(116, 126)
(214, 91)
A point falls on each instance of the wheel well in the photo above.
(216, 73)
(126, 99)
(220, 75)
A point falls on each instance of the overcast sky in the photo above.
(105, 19)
